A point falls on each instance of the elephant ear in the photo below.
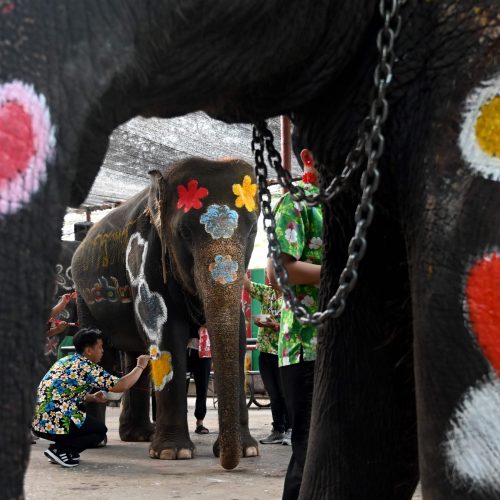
(157, 209)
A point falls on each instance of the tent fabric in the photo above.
(145, 144)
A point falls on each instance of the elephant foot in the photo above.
(135, 433)
(249, 447)
(251, 451)
(169, 450)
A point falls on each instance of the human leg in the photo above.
(201, 374)
(78, 439)
(66, 448)
(190, 366)
(298, 384)
(269, 371)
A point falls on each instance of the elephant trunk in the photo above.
(222, 305)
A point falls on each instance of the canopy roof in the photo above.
(144, 144)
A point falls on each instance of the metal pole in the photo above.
(286, 144)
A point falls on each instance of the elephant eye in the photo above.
(185, 232)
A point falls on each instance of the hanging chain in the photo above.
(369, 147)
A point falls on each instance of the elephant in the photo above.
(406, 380)
(154, 270)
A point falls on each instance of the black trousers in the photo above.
(199, 368)
(270, 373)
(78, 439)
(298, 384)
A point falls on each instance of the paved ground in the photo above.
(124, 471)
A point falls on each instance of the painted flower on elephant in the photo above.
(27, 143)
(291, 233)
(482, 309)
(473, 435)
(219, 221)
(224, 269)
(161, 370)
(191, 196)
(479, 138)
(245, 194)
(488, 127)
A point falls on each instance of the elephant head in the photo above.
(206, 214)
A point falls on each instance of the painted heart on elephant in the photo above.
(184, 245)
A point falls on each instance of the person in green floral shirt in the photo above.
(60, 407)
(267, 343)
(299, 229)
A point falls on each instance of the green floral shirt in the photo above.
(300, 234)
(267, 338)
(62, 391)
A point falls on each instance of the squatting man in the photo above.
(60, 408)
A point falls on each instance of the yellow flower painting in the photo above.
(488, 127)
(161, 370)
(245, 194)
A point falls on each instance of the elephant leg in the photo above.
(171, 439)
(456, 278)
(249, 446)
(135, 424)
(362, 436)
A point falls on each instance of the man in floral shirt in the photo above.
(267, 343)
(299, 229)
(64, 390)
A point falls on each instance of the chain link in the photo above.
(369, 148)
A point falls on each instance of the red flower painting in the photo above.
(191, 197)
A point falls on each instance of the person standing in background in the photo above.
(267, 343)
(299, 230)
(198, 366)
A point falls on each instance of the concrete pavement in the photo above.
(124, 471)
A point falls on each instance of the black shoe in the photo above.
(52, 461)
(61, 457)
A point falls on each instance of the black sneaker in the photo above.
(52, 461)
(61, 457)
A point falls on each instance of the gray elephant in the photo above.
(408, 388)
(152, 271)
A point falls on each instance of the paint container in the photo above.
(205, 351)
(113, 396)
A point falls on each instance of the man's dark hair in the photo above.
(86, 337)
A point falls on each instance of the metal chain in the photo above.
(369, 146)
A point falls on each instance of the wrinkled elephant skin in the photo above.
(154, 269)
(407, 379)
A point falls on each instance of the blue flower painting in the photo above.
(220, 221)
(224, 269)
